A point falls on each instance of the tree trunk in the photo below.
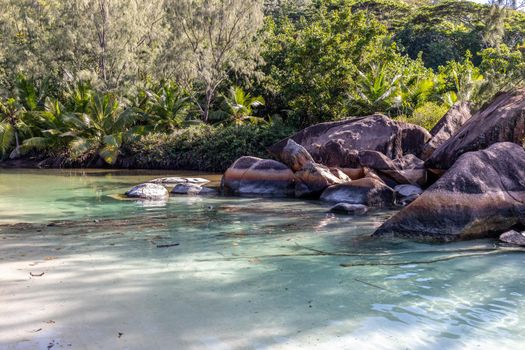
(17, 141)
(207, 104)
(102, 39)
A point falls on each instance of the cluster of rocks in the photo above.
(157, 189)
(464, 179)
(356, 161)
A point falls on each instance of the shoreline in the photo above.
(36, 164)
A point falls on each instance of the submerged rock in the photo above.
(332, 143)
(255, 176)
(447, 127)
(314, 178)
(482, 194)
(349, 209)
(294, 155)
(513, 237)
(148, 191)
(503, 120)
(367, 191)
(192, 189)
(179, 180)
(405, 170)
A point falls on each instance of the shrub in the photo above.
(202, 147)
(427, 115)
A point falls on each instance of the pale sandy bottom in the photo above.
(247, 274)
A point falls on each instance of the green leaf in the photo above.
(110, 149)
(7, 135)
(35, 143)
(80, 146)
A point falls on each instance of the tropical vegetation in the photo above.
(196, 83)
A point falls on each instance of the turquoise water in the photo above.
(238, 273)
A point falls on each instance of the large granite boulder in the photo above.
(148, 191)
(231, 180)
(503, 120)
(334, 153)
(332, 143)
(255, 176)
(366, 191)
(294, 155)
(447, 127)
(314, 178)
(405, 170)
(482, 194)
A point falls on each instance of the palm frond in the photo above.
(7, 135)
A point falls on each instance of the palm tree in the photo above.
(415, 92)
(168, 107)
(102, 129)
(239, 107)
(12, 126)
(54, 130)
(77, 96)
(464, 78)
(32, 94)
(375, 90)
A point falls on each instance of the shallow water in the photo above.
(247, 273)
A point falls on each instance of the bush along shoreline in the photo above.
(201, 148)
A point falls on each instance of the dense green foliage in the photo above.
(197, 83)
(203, 147)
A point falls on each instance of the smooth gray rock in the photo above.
(179, 180)
(408, 190)
(294, 155)
(513, 237)
(314, 178)
(349, 209)
(192, 189)
(367, 191)
(259, 177)
(148, 191)
(406, 194)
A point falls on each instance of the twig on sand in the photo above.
(372, 285)
(167, 245)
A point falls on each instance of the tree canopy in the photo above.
(108, 71)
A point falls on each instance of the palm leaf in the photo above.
(7, 134)
(80, 146)
(110, 149)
